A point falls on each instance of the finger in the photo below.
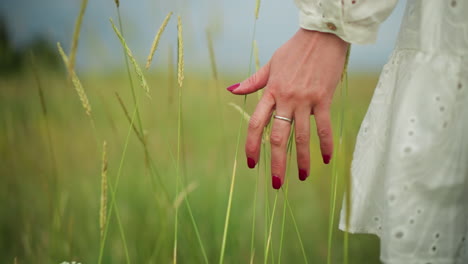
(257, 123)
(302, 136)
(278, 140)
(324, 132)
(253, 83)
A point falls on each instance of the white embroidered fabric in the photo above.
(410, 165)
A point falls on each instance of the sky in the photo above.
(231, 23)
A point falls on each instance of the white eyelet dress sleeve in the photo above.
(410, 164)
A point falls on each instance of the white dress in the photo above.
(410, 165)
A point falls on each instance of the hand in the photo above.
(299, 81)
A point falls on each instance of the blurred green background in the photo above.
(50, 170)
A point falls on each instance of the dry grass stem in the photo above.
(241, 111)
(76, 34)
(180, 62)
(103, 211)
(124, 108)
(256, 56)
(257, 9)
(212, 55)
(154, 47)
(138, 70)
(184, 193)
(345, 68)
(76, 82)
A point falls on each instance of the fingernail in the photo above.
(233, 87)
(251, 163)
(302, 174)
(326, 159)
(276, 182)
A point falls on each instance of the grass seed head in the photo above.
(76, 82)
(180, 62)
(137, 68)
(257, 9)
(154, 47)
(103, 211)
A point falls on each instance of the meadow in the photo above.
(165, 163)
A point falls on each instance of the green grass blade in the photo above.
(113, 193)
(285, 191)
(335, 169)
(270, 229)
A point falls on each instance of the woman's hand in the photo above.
(299, 80)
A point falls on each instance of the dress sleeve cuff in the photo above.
(349, 32)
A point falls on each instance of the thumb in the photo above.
(253, 83)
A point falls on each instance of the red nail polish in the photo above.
(303, 174)
(276, 182)
(233, 87)
(326, 159)
(251, 163)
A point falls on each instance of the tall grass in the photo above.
(116, 203)
(233, 177)
(336, 165)
(180, 74)
(76, 34)
(156, 40)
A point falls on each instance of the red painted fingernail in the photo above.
(303, 175)
(233, 87)
(326, 159)
(276, 182)
(251, 163)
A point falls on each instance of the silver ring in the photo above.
(283, 118)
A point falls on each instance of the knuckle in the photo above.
(252, 80)
(254, 123)
(302, 138)
(287, 94)
(318, 96)
(276, 139)
(324, 133)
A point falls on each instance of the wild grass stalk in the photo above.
(103, 209)
(170, 76)
(53, 162)
(180, 74)
(155, 44)
(347, 173)
(252, 236)
(76, 82)
(270, 230)
(113, 205)
(180, 54)
(129, 74)
(124, 108)
(138, 71)
(76, 35)
(221, 119)
(233, 178)
(285, 192)
(335, 166)
(299, 237)
(148, 160)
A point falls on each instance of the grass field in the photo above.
(50, 187)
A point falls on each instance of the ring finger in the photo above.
(278, 140)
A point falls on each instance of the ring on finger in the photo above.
(289, 120)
